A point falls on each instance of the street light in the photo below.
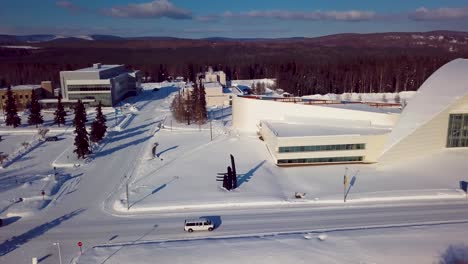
(60, 255)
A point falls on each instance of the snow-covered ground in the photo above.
(89, 202)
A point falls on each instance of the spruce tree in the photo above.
(12, 118)
(194, 102)
(202, 104)
(98, 127)
(102, 120)
(60, 113)
(35, 117)
(81, 138)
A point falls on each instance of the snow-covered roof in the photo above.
(364, 107)
(212, 85)
(439, 91)
(283, 129)
(102, 68)
(23, 87)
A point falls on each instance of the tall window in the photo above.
(457, 131)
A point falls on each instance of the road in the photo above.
(79, 215)
(162, 227)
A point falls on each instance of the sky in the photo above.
(236, 19)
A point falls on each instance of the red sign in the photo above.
(80, 244)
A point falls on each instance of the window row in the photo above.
(321, 160)
(322, 148)
(17, 96)
(85, 88)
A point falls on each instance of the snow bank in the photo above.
(124, 123)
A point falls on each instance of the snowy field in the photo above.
(86, 200)
(184, 176)
(379, 246)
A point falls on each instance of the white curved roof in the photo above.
(439, 91)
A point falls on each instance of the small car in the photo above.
(51, 138)
(201, 224)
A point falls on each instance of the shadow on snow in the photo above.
(243, 178)
(16, 241)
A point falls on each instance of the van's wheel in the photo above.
(210, 229)
(190, 230)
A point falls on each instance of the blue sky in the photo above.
(236, 18)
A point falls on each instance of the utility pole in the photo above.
(345, 183)
(211, 131)
(128, 202)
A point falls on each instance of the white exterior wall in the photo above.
(428, 138)
(214, 100)
(247, 113)
(374, 145)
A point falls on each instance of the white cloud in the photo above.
(352, 15)
(439, 13)
(154, 9)
(67, 5)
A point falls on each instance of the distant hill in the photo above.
(447, 40)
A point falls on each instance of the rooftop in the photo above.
(23, 87)
(101, 68)
(212, 85)
(283, 129)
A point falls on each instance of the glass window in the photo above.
(321, 160)
(457, 135)
(321, 148)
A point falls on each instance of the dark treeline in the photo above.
(299, 69)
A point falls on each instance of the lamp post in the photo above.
(60, 254)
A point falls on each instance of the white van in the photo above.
(201, 224)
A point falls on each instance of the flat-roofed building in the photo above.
(309, 143)
(22, 94)
(106, 83)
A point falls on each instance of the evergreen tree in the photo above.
(60, 113)
(202, 104)
(81, 138)
(98, 127)
(12, 118)
(194, 102)
(35, 117)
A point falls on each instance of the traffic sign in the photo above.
(80, 244)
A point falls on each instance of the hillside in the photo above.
(381, 62)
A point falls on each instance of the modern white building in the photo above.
(213, 77)
(298, 134)
(106, 83)
(436, 119)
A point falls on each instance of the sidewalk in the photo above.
(388, 197)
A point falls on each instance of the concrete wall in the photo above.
(247, 113)
(427, 139)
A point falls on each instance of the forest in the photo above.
(300, 67)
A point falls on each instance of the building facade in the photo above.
(22, 94)
(213, 76)
(108, 84)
